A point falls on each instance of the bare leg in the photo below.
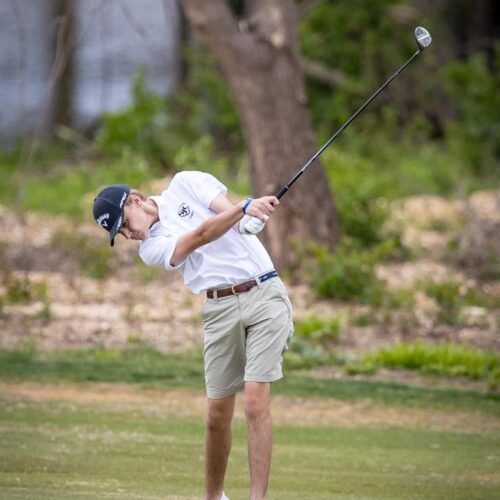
(260, 436)
(217, 444)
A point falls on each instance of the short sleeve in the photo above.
(158, 250)
(204, 187)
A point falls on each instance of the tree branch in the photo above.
(322, 73)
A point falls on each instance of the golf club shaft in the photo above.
(285, 188)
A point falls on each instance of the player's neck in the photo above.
(151, 209)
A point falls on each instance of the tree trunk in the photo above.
(259, 58)
(62, 112)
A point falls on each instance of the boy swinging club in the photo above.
(193, 228)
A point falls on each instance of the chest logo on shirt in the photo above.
(184, 211)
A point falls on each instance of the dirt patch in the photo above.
(286, 410)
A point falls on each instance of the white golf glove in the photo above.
(250, 225)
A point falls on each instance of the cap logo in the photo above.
(122, 201)
(102, 220)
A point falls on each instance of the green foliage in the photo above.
(302, 355)
(364, 319)
(446, 359)
(349, 275)
(449, 297)
(139, 128)
(360, 368)
(22, 289)
(181, 131)
(69, 190)
(452, 296)
(476, 134)
(312, 343)
(405, 144)
(346, 275)
(318, 331)
(359, 40)
(196, 128)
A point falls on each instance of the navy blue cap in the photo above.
(109, 208)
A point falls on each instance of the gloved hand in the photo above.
(250, 225)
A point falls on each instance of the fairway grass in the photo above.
(91, 450)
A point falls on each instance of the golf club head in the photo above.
(423, 37)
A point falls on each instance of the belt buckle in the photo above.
(234, 291)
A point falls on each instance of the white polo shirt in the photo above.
(183, 206)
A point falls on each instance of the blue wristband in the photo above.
(245, 205)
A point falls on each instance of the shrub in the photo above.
(22, 289)
(449, 297)
(452, 295)
(447, 358)
(476, 135)
(318, 331)
(349, 275)
(346, 275)
(302, 355)
(364, 319)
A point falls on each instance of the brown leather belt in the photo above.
(241, 287)
(233, 290)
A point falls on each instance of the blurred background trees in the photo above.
(96, 92)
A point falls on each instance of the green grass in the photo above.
(146, 366)
(59, 450)
(53, 450)
(446, 359)
(134, 365)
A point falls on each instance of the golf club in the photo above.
(423, 39)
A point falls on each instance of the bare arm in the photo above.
(216, 226)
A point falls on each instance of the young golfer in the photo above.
(193, 228)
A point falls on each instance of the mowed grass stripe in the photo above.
(151, 368)
(52, 449)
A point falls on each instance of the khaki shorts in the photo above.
(245, 337)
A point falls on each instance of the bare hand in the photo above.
(262, 207)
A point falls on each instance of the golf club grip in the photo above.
(281, 192)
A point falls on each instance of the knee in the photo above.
(218, 418)
(256, 409)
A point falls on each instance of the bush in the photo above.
(449, 297)
(452, 295)
(346, 275)
(22, 289)
(302, 355)
(158, 127)
(318, 331)
(446, 359)
(476, 135)
(349, 275)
